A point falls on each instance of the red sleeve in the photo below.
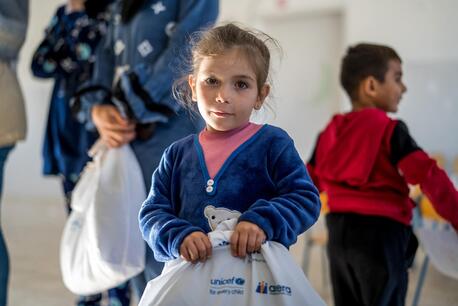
(418, 168)
(311, 165)
(314, 177)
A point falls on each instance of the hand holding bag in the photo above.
(267, 278)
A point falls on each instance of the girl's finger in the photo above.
(242, 244)
(201, 250)
(234, 243)
(259, 240)
(184, 253)
(208, 246)
(193, 253)
(251, 243)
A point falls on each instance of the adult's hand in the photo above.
(114, 130)
(74, 6)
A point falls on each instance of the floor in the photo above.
(33, 229)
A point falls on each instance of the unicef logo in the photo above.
(227, 286)
(239, 281)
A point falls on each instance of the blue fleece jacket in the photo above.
(264, 181)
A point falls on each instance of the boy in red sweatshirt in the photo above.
(364, 160)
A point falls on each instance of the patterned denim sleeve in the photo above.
(69, 45)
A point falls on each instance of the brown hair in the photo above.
(363, 60)
(217, 41)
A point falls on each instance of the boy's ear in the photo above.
(192, 84)
(369, 86)
(264, 92)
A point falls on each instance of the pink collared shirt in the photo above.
(218, 146)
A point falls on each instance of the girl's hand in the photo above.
(196, 247)
(247, 238)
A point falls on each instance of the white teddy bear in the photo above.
(217, 215)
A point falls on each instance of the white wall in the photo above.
(419, 30)
(306, 79)
(422, 31)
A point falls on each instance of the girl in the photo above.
(233, 168)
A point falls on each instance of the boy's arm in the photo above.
(418, 168)
(161, 228)
(297, 205)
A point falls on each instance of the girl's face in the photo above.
(226, 90)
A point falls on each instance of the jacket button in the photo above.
(209, 189)
(210, 182)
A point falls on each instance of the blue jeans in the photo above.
(4, 261)
(119, 296)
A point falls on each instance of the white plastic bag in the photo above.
(268, 278)
(101, 245)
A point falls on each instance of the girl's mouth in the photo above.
(221, 114)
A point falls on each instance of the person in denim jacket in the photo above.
(137, 62)
(66, 54)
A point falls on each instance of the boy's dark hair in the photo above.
(363, 60)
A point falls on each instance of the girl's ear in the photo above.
(264, 92)
(192, 84)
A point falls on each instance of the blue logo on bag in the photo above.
(264, 288)
(240, 281)
(227, 286)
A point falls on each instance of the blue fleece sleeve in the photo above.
(297, 204)
(157, 78)
(161, 228)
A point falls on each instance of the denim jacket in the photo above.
(154, 53)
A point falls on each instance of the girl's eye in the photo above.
(241, 85)
(211, 81)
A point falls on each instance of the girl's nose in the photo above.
(223, 95)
